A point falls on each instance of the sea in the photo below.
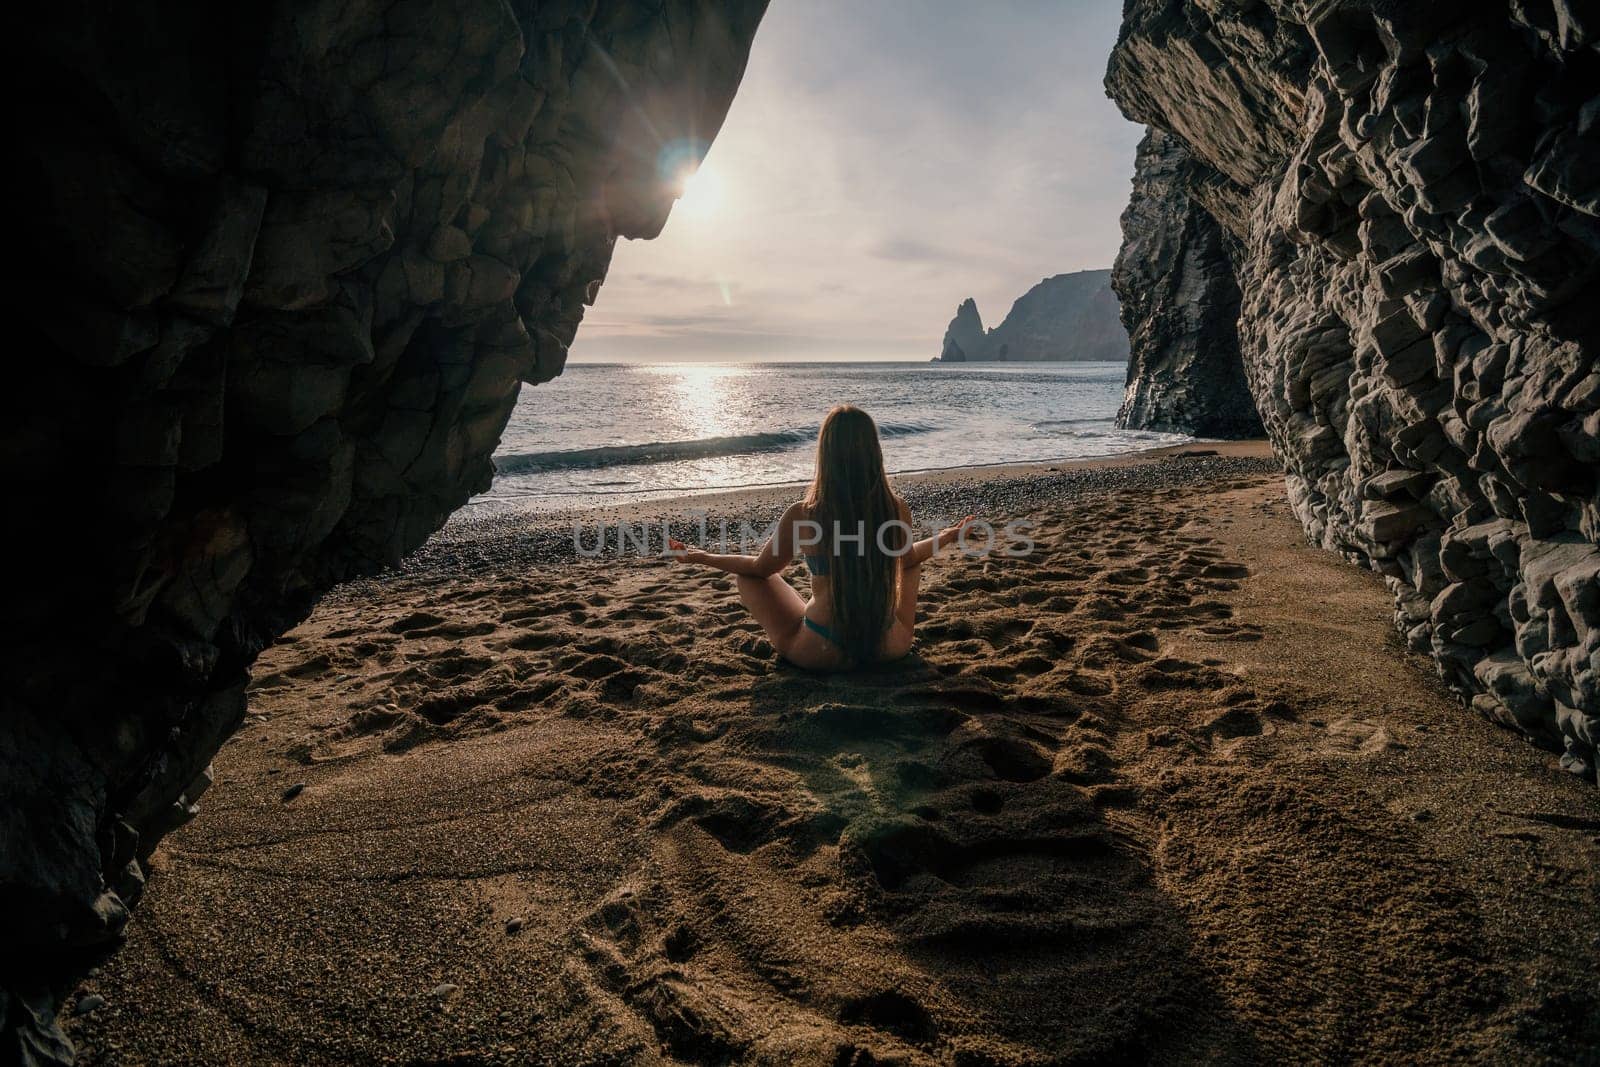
(621, 432)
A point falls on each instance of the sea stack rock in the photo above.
(1070, 317)
(1412, 193)
(963, 340)
(1180, 304)
(288, 265)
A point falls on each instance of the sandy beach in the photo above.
(1167, 789)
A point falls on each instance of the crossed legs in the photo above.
(775, 605)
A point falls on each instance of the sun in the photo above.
(702, 192)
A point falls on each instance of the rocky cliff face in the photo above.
(1067, 317)
(1415, 194)
(287, 266)
(1175, 280)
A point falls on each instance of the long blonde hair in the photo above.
(850, 493)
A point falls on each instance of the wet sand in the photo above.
(1169, 789)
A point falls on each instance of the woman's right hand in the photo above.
(677, 550)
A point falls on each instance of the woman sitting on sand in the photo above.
(855, 534)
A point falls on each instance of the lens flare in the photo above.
(702, 192)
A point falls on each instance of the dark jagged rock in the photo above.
(287, 266)
(1175, 279)
(964, 335)
(1070, 317)
(1415, 192)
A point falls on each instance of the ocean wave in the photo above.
(1056, 426)
(673, 451)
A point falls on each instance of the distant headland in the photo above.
(1067, 318)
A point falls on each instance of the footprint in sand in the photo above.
(1231, 632)
(1009, 759)
(1231, 723)
(416, 620)
(1085, 762)
(1351, 736)
(1019, 668)
(535, 640)
(1127, 576)
(1051, 638)
(954, 629)
(892, 1012)
(1110, 650)
(1200, 609)
(1103, 607)
(1088, 683)
(1170, 672)
(637, 614)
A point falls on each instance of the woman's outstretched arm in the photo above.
(773, 557)
(921, 551)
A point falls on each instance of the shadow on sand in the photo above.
(930, 884)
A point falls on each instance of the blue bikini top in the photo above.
(817, 565)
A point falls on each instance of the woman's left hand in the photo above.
(953, 533)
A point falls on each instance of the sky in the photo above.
(882, 161)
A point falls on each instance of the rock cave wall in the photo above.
(287, 266)
(1414, 194)
(1174, 279)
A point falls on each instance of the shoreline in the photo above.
(494, 507)
(533, 537)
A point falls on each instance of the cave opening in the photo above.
(483, 796)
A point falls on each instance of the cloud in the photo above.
(672, 282)
(910, 250)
